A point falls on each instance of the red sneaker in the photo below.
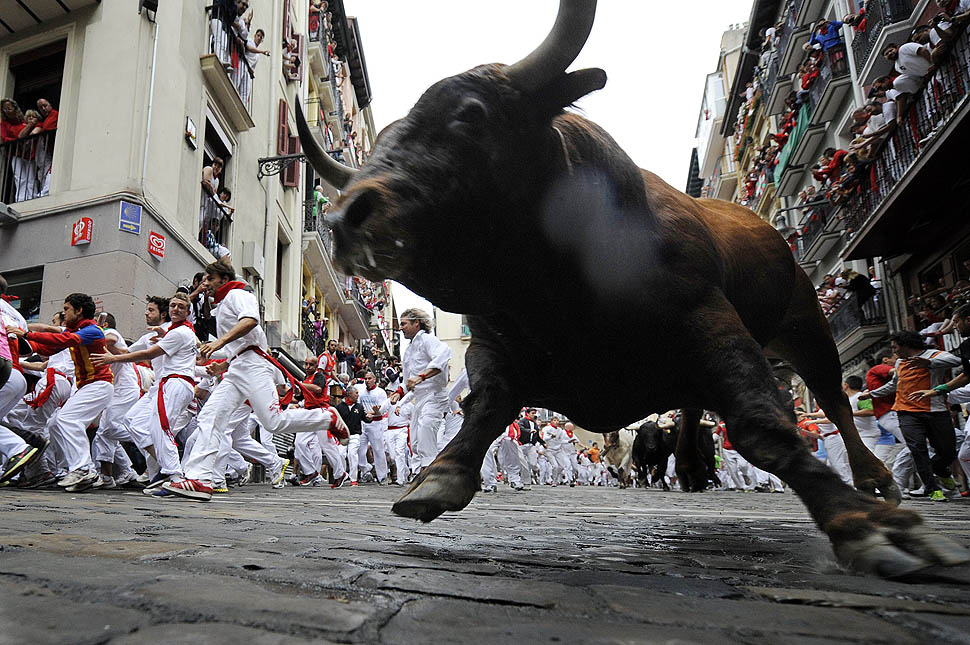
(965, 493)
(191, 488)
(353, 483)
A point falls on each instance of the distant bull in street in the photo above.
(488, 195)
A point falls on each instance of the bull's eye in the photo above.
(470, 115)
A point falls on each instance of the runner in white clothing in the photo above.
(376, 407)
(248, 375)
(425, 367)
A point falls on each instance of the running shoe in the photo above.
(246, 477)
(108, 482)
(220, 488)
(20, 461)
(340, 482)
(90, 481)
(43, 480)
(276, 476)
(518, 487)
(309, 480)
(918, 492)
(190, 488)
(948, 483)
(75, 477)
(965, 493)
(353, 483)
(489, 489)
(937, 496)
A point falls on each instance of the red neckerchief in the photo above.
(222, 291)
(184, 323)
(372, 388)
(8, 298)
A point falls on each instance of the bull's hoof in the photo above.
(883, 487)
(437, 489)
(693, 480)
(891, 543)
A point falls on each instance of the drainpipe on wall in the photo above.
(148, 119)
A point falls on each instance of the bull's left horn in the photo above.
(332, 171)
(559, 49)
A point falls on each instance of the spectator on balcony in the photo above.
(45, 149)
(826, 34)
(210, 176)
(220, 20)
(14, 127)
(856, 20)
(253, 52)
(242, 21)
(829, 165)
(222, 198)
(913, 62)
(958, 12)
(291, 62)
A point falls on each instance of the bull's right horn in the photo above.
(332, 171)
(559, 49)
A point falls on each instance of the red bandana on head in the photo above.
(222, 291)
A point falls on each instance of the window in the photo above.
(280, 255)
(25, 164)
(215, 211)
(26, 286)
(287, 145)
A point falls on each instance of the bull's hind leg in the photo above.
(690, 463)
(453, 478)
(805, 341)
(866, 534)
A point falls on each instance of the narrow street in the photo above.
(546, 565)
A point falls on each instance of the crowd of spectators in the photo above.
(29, 156)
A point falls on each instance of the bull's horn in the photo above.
(559, 49)
(331, 170)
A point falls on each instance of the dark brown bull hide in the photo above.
(487, 195)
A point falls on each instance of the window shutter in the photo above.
(283, 130)
(291, 176)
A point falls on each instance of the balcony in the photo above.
(320, 65)
(226, 69)
(794, 35)
(831, 86)
(880, 14)
(819, 230)
(888, 213)
(215, 220)
(777, 88)
(25, 167)
(857, 324)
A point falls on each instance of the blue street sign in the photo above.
(130, 219)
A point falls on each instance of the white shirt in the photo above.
(368, 399)
(426, 352)
(553, 437)
(866, 426)
(910, 62)
(252, 57)
(145, 342)
(124, 373)
(179, 345)
(239, 304)
(395, 420)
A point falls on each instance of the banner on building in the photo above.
(156, 244)
(82, 231)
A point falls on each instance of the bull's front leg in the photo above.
(689, 460)
(453, 478)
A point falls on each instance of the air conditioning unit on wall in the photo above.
(252, 258)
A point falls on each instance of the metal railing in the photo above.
(784, 41)
(851, 314)
(230, 48)
(813, 224)
(770, 74)
(214, 224)
(314, 219)
(313, 336)
(927, 112)
(879, 14)
(25, 167)
(834, 64)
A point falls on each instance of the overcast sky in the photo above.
(656, 56)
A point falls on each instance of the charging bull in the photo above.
(488, 194)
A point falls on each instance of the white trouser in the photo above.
(531, 452)
(890, 421)
(238, 437)
(509, 459)
(34, 420)
(764, 478)
(545, 469)
(838, 458)
(353, 443)
(567, 455)
(736, 466)
(887, 453)
(330, 448)
(426, 419)
(397, 446)
(489, 469)
(963, 452)
(177, 396)
(373, 434)
(307, 451)
(449, 429)
(870, 440)
(74, 418)
(135, 427)
(12, 391)
(236, 464)
(559, 462)
(24, 178)
(249, 377)
(904, 468)
(113, 423)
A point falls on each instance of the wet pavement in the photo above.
(548, 565)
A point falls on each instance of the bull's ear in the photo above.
(573, 86)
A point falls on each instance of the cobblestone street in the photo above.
(563, 565)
